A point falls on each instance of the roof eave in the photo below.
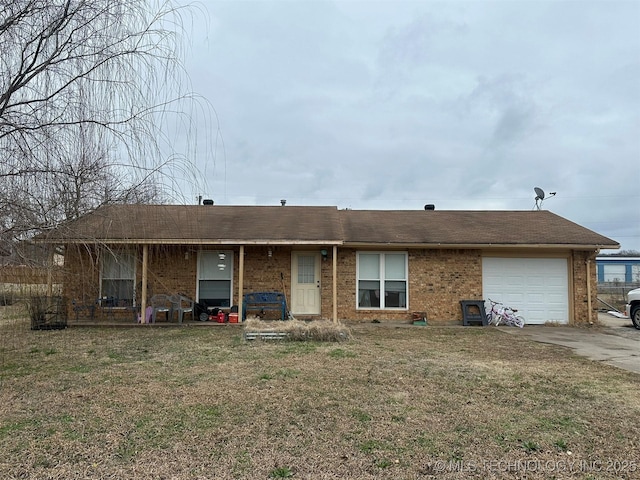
(231, 242)
(569, 246)
(226, 242)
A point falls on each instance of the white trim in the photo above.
(618, 259)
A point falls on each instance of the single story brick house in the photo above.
(357, 265)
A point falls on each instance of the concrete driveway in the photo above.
(616, 342)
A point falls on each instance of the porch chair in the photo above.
(181, 305)
(161, 303)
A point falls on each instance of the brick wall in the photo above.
(580, 297)
(81, 277)
(326, 287)
(263, 273)
(438, 280)
(30, 275)
(171, 269)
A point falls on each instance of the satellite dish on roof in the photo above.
(540, 196)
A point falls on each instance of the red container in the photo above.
(233, 318)
(221, 317)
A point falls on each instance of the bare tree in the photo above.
(83, 84)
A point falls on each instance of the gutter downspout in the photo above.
(143, 299)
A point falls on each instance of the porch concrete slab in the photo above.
(614, 342)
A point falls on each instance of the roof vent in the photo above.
(429, 206)
(283, 202)
(207, 201)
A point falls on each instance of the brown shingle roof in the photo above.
(206, 224)
(467, 228)
(326, 225)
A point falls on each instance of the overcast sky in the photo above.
(396, 104)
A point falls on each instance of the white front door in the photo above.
(305, 283)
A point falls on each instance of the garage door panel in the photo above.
(556, 281)
(535, 298)
(555, 314)
(532, 314)
(537, 287)
(514, 299)
(518, 279)
(555, 298)
(536, 280)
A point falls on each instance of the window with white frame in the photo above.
(215, 269)
(382, 280)
(117, 280)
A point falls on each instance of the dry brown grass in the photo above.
(297, 330)
(405, 402)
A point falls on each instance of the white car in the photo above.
(633, 307)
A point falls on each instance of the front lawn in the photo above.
(407, 402)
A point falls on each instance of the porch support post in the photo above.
(143, 300)
(50, 271)
(335, 283)
(240, 281)
(589, 290)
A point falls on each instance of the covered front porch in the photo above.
(112, 284)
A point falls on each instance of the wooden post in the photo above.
(240, 281)
(143, 300)
(335, 284)
(589, 291)
(51, 255)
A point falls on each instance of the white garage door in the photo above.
(537, 287)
